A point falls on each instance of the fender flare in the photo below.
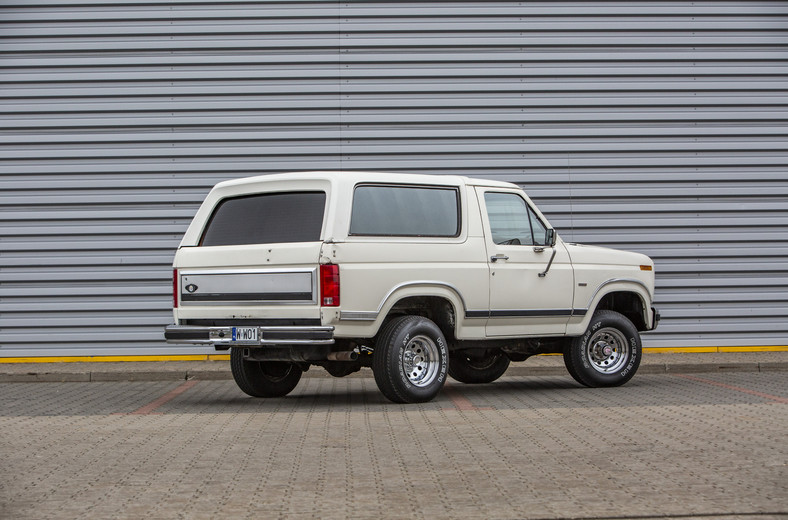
(428, 288)
(630, 285)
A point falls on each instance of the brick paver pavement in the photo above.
(652, 363)
(703, 445)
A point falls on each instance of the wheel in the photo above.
(466, 367)
(608, 354)
(263, 378)
(410, 360)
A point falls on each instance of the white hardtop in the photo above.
(341, 183)
(252, 184)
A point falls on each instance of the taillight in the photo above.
(329, 285)
(175, 288)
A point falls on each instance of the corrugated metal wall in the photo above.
(660, 127)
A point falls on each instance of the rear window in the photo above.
(414, 211)
(266, 219)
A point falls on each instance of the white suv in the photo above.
(415, 276)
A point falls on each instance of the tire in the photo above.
(608, 354)
(466, 368)
(410, 360)
(263, 378)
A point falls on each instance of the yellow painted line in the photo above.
(753, 349)
(113, 359)
(710, 350)
(680, 350)
(704, 350)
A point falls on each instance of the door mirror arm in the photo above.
(543, 274)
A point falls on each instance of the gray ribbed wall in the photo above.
(660, 127)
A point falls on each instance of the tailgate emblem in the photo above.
(191, 287)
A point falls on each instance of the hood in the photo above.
(583, 254)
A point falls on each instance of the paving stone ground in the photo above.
(707, 445)
(652, 363)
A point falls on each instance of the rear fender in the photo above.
(368, 324)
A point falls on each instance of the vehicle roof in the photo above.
(355, 177)
(341, 182)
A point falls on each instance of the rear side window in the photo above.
(266, 219)
(405, 211)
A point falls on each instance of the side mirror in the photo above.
(551, 237)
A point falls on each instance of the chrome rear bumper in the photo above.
(227, 335)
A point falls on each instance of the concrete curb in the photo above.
(224, 374)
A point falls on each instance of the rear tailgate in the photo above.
(238, 302)
(274, 281)
(248, 261)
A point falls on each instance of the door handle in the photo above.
(499, 257)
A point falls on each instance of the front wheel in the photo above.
(608, 354)
(263, 378)
(410, 360)
(471, 368)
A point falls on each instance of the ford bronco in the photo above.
(415, 276)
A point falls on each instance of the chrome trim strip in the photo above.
(224, 335)
(209, 301)
(358, 315)
(246, 271)
(244, 303)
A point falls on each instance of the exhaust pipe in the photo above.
(348, 355)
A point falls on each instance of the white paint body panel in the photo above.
(377, 272)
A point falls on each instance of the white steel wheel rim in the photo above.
(420, 361)
(608, 350)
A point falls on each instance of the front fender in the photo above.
(580, 322)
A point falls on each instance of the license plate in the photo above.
(245, 334)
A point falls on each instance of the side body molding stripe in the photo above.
(484, 314)
(526, 313)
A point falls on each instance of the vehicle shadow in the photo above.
(509, 393)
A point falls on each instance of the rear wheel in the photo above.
(410, 360)
(608, 354)
(469, 367)
(263, 378)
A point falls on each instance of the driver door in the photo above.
(526, 298)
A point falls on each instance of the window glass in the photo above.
(266, 219)
(539, 230)
(509, 218)
(405, 211)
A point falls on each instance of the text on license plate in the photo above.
(245, 334)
